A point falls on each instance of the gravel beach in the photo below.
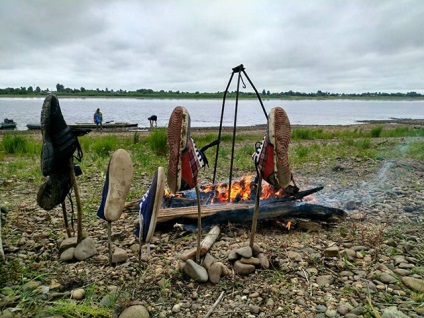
(371, 264)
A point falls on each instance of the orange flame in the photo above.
(241, 190)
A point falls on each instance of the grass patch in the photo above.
(158, 142)
(376, 132)
(19, 145)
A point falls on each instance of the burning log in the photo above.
(213, 214)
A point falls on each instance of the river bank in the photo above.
(366, 266)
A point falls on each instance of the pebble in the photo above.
(78, 294)
(136, 311)
(414, 283)
(324, 280)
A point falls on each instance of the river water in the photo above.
(207, 112)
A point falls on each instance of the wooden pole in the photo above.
(109, 240)
(65, 219)
(256, 211)
(199, 224)
(78, 200)
(140, 240)
(2, 257)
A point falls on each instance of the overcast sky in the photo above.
(336, 46)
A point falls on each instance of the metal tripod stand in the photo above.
(236, 70)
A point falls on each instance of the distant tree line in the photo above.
(150, 93)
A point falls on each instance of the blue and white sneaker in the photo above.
(117, 186)
(149, 205)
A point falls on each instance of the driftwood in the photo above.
(205, 245)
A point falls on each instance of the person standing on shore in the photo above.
(98, 119)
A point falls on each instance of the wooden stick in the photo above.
(214, 305)
(109, 240)
(205, 246)
(256, 212)
(1, 243)
(199, 224)
(140, 239)
(65, 219)
(78, 200)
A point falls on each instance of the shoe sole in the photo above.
(120, 172)
(47, 151)
(160, 187)
(58, 146)
(279, 135)
(178, 141)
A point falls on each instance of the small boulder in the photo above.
(195, 271)
(119, 255)
(243, 269)
(245, 251)
(85, 249)
(67, 255)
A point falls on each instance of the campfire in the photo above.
(242, 191)
(182, 207)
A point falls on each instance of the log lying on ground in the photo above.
(213, 214)
(240, 213)
(205, 245)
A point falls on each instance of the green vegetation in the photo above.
(157, 141)
(19, 145)
(61, 90)
(19, 158)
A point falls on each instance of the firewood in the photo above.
(205, 245)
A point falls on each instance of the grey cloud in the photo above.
(350, 46)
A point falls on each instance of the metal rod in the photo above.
(257, 94)
(220, 128)
(234, 139)
(256, 211)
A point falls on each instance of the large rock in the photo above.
(195, 271)
(137, 311)
(85, 249)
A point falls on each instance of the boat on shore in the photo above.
(7, 124)
(108, 125)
